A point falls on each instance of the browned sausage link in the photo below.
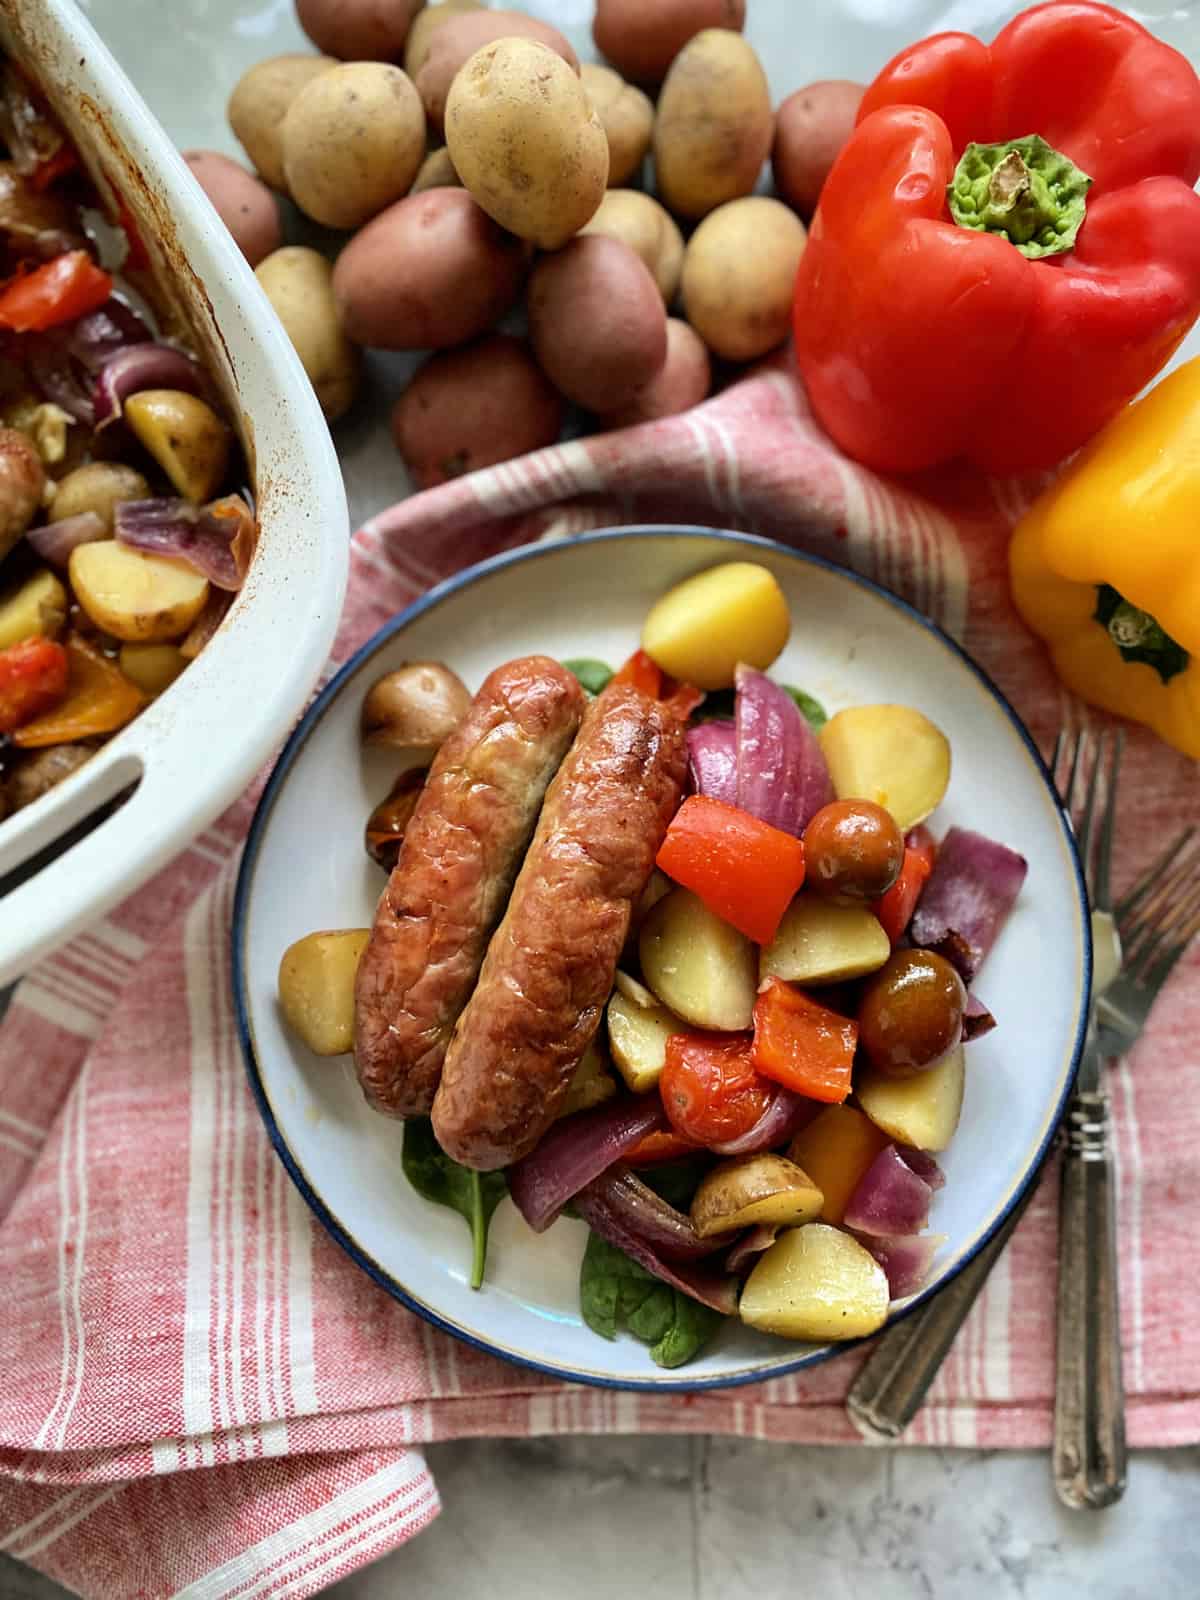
(461, 851)
(549, 969)
(22, 480)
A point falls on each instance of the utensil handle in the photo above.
(888, 1392)
(1089, 1407)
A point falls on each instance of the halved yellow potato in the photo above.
(819, 941)
(892, 755)
(185, 436)
(818, 1283)
(153, 667)
(704, 626)
(36, 607)
(136, 597)
(316, 988)
(752, 1189)
(638, 1030)
(591, 1085)
(922, 1110)
(699, 967)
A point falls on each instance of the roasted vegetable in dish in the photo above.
(122, 484)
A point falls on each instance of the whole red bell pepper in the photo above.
(1008, 247)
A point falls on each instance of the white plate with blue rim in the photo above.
(851, 644)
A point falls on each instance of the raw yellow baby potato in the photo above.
(454, 43)
(627, 116)
(819, 941)
(713, 126)
(699, 967)
(816, 1283)
(134, 596)
(637, 219)
(923, 1110)
(299, 284)
(702, 628)
(638, 1030)
(185, 436)
(892, 755)
(739, 276)
(316, 988)
(436, 172)
(353, 140)
(36, 606)
(260, 102)
(526, 140)
(750, 1190)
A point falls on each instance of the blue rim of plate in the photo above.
(245, 881)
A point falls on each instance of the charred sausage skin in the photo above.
(549, 968)
(462, 850)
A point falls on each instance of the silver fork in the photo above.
(893, 1382)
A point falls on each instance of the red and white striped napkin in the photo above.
(201, 1395)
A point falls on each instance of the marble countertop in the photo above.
(702, 1519)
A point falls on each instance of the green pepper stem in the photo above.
(1024, 191)
(1137, 635)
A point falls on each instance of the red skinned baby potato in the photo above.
(457, 40)
(243, 202)
(682, 382)
(474, 407)
(642, 37)
(811, 126)
(597, 322)
(358, 30)
(431, 271)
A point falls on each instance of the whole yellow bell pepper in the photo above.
(1105, 566)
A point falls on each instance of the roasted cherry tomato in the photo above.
(911, 1013)
(710, 1088)
(853, 850)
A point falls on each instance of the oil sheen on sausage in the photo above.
(462, 850)
(549, 969)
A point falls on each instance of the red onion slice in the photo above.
(781, 773)
(711, 1288)
(712, 760)
(138, 367)
(891, 1199)
(751, 1245)
(906, 1259)
(973, 887)
(217, 539)
(977, 1020)
(54, 541)
(576, 1151)
(923, 1164)
(653, 1219)
(776, 1126)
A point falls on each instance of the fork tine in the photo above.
(1103, 894)
(1083, 834)
(1150, 883)
(1166, 916)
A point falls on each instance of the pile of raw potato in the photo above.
(491, 165)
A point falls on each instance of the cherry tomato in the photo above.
(854, 850)
(710, 1088)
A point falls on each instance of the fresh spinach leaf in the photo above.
(616, 1292)
(593, 675)
(814, 712)
(474, 1195)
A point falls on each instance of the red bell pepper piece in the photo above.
(802, 1044)
(66, 288)
(920, 339)
(653, 1149)
(645, 674)
(33, 678)
(710, 1089)
(896, 907)
(744, 870)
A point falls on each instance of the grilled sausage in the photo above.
(461, 852)
(549, 969)
(22, 480)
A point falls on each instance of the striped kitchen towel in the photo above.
(202, 1396)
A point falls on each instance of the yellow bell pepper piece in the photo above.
(1105, 566)
(99, 700)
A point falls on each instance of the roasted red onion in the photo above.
(217, 539)
(138, 367)
(977, 1019)
(906, 1259)
(655, 1221)
(712, 760)
(891, 1199)
(54, 541)
(751, 1245)
(714, 1289)
(973, 887)
(781, 774)
(923, 1164)
(576, 1151)
(778, 1123)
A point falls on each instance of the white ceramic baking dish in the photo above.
(195, 748)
